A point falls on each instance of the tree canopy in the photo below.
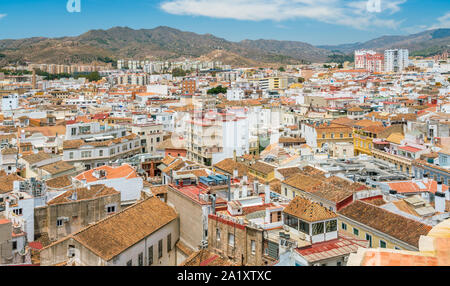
(217, 90)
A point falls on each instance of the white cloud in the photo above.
(341, 12)
(442, 22)
(2, 15)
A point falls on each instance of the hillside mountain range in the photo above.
(164, 43)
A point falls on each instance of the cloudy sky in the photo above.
(313, 21)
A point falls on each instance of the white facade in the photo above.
(396, 60)
(235, 94)
(10, 102)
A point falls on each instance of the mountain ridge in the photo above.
(166, 43)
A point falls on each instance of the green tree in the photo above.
(281, 69)
(301, 80)
(93, 76)
(177, 72)
(217, 90)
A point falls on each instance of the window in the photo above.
(59, 222)
(323, 136)
(369, 238)
(74, 131)
(218, 234)
(169, 242)
(17, 211)
(303, 227)
(341, 135)
(253, 246)
(130, 263)
(158, 139)
(398, 248)
(382, 244)
(111, 209)
(291, 221)
(71, 155)
(285, 192)
(160, 248)
(100, 153)
(356, 231)
(14, 245)
(344, 226)
(331, 225)
(150, 255)
(231, 239)
(141, 259)
(339, 263)
(332, 135)
(317, 228)
(86, 154)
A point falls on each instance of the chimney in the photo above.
(235, 173)
(244, 191)
(234, 156)
(245, 179)
(267, 194)
(267, 217)
(236, 194)
(256, 187)
(439, 199)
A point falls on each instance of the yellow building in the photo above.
(383, 229)
(364, 131)
(263, 172)
(434, 250)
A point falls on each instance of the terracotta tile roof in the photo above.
(308, 210)
(114, 234)
(124, 171)
(175, 166)
(395, 138)
(7, 183)
(156, 190)
(59, 182)
(205, 257)
(402, 228)
(96, 191)
(413, 187)
(325, 188)
(229, 165)
(57, 167)
(262, 167)
(291, 140)
(35, 158)
(9, 151)
(168, 160)
(287, 172)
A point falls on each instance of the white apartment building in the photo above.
(151, 135)
(10, 102)
(212, 137)
(99, 151)
(396, 60)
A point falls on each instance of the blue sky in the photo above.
(313, 21)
